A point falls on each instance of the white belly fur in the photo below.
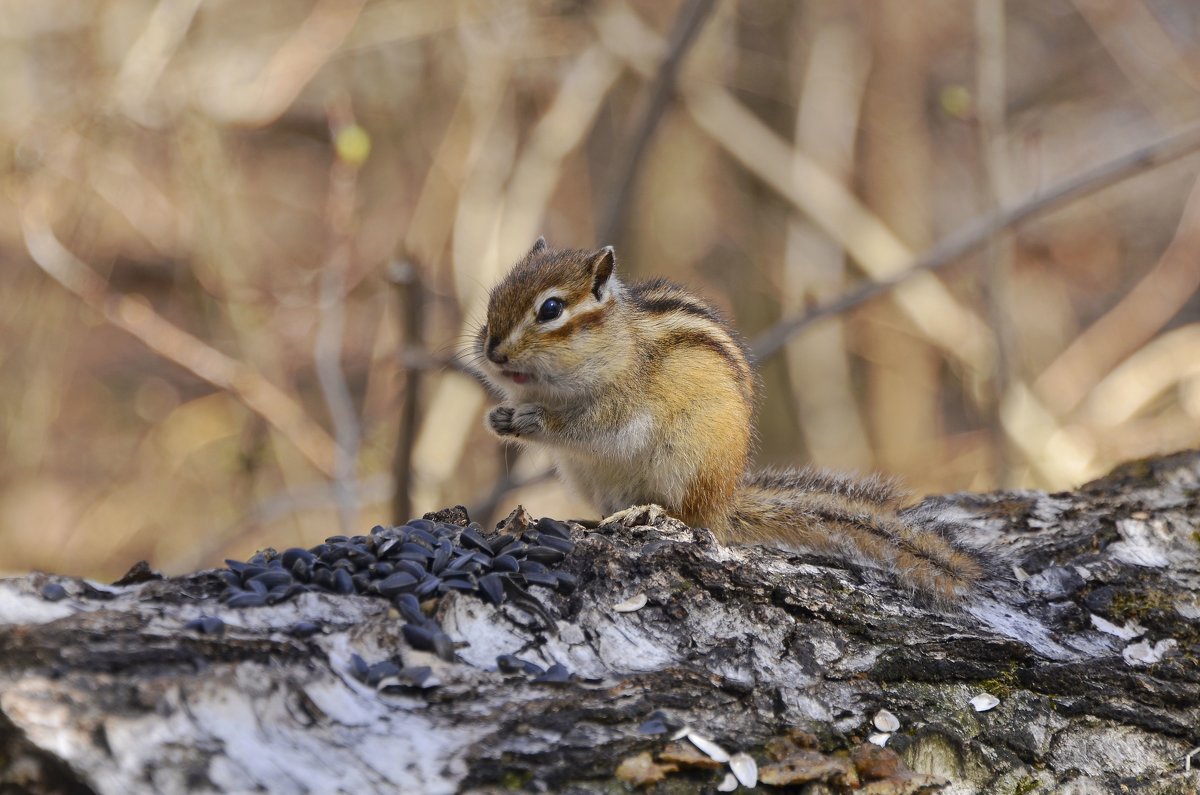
(624, 469)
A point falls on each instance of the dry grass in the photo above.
(205, 350)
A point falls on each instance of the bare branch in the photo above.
(991, 89)
(331, 304)
(405, 276)
(973, 235)
(687, 24)
(137, 318)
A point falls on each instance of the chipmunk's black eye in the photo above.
(550, 309)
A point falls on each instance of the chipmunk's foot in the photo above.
(637, 516)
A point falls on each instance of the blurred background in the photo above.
(240, 243)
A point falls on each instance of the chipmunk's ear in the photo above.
(602, 265)
(539, 245)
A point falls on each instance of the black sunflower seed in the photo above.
(409, 607)
(425, 536)
(505, 563)
(415, 548)
(249, 572)
(380, 570)
(246, 599)
(428, 586)
(443, 646)
(271, 578)
(567, 582)
(302, 570)
(546, 579)
(464, 563)
(415, 675)
(304, 629)
(281, 593)
(456, 584)
(534, 567)
(333, 554)
(416, 569)
(206, 625)
(447, 530)
(516, 549)
(556, 674)
(381, 670)
(500, 542)
(419, 636)
(343, 583)
(470, 537)
(658, 722)
(542, 554)
(441, 556)
(512, 664)
(553, 527)
(421, 524)
(399, 582)
(290, 556)
(492, 588)
(563, 545)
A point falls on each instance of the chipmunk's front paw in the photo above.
(637, 516)
(523, 420)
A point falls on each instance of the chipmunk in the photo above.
(643, 394)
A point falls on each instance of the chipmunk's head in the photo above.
(549, 329)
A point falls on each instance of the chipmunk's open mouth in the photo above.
(518, 378)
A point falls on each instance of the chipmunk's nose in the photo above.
(498, 358)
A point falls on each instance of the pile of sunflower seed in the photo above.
(410, 564)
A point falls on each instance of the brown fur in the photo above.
(648, 397)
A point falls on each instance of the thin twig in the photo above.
(331, 324)
(973, 235)
(687, 24)
(405, 278)
(137, 318)
(991, 93)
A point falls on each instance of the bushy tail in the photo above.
(858, 520)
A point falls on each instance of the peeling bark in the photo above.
(1091, 648)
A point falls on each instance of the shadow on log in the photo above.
(791, 662)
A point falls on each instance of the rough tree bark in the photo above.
(1091, 649)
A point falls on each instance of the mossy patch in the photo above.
(1025, 786)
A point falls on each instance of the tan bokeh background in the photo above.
(206, 291)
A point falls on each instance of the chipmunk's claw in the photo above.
(637, 516)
